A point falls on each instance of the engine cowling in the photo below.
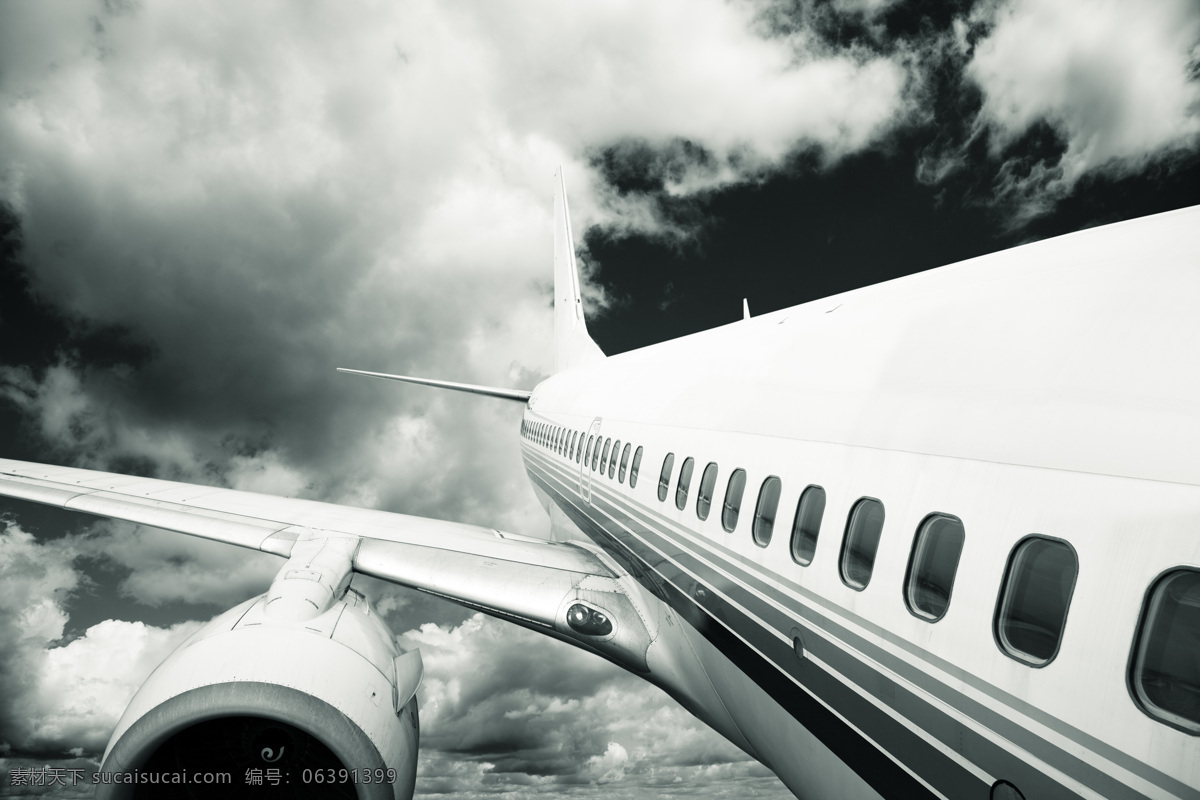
(282, 703)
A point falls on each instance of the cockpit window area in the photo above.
(1034, 598)
(861, 542)
(1165, 668)
(807, 524)
(733, 500)
(633, 469)
(664, 477)
(764, 511)
(685, 482)
(708, 482)
(612, 465)
(932, 566)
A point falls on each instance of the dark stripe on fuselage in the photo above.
(940, 770)
(860, 754)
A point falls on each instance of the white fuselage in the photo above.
(1048, 390)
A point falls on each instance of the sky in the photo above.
(205, 209)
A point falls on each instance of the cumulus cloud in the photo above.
(507, 709)
(56, 696)
(1117, 82)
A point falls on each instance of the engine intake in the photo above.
(258, 706)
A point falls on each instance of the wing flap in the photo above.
(528, 592)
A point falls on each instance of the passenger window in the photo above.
(708, 482)
(1166, 662)
(932, 566)
(733, 499)
(624, 464)
(588, 454)
(571, 444)
(1033, 604)
(807, 524)
(764, 512)
(685, 482)
(604, 456)
(664, 477)
(612, 465)
(633, 470)
(596, 454)
(862, 540)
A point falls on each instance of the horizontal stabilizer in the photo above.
(520, 395)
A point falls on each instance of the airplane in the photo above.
(931, 538)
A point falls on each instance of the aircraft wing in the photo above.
(529, 581)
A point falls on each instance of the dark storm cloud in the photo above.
(207, 209)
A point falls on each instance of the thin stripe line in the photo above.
(1015, 732)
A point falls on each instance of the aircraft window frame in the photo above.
(624, 462)
(1005, 600)
(804, 512)
(554, 444)
(704, 495)
(633, 468)
(604, 458)
(612, 465)
(928, 556)
(1169, 642)
(764, 522)
(587, 454)
(596, 454)
(664, 477)
(731, 511)
(860, 543)
(579, 447)
(684, 485)
(571, 445)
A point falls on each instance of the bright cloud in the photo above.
(54, 696)
(513, 710)
(1116, 80)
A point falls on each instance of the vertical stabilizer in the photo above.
(572, 345)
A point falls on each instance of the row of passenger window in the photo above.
(571, 444)
(1038, 583)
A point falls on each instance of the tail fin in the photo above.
(572, 345)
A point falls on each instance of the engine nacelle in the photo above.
(284, 705)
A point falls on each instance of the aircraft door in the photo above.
(585, 466)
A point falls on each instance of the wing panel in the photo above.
(479, 565)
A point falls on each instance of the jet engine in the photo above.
(290, 694)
